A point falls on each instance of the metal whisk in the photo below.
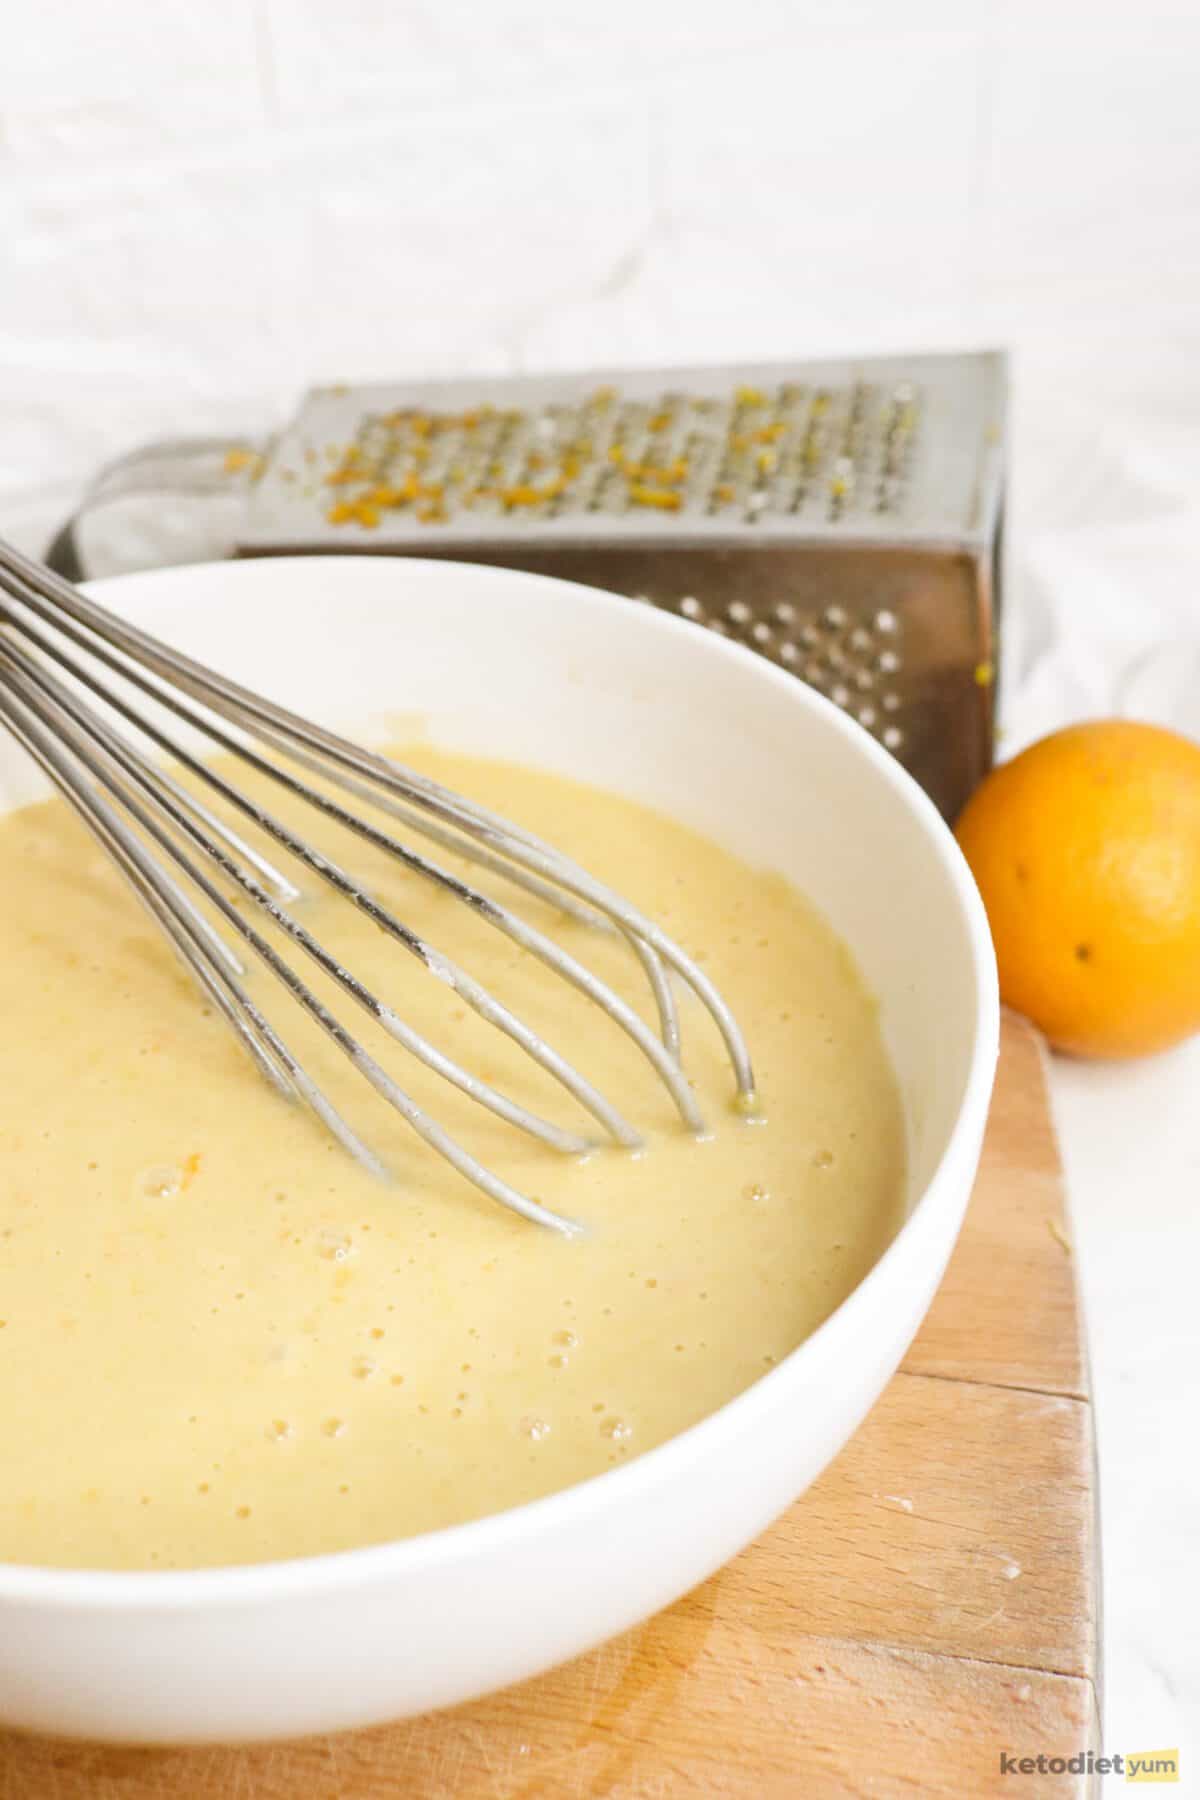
(174, 850)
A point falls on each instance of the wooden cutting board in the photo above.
(929, 1604)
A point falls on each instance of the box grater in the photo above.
(841, 518)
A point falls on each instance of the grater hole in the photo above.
(887, 662)
(867, 716)
(834, 617)
(860, 639)
(810, 637)
(864, 681)
(893, 737)
(719, 626)
(761, 633)
(690, 607)
(840, 694)
(785, 612)
(886, 622)
(788, 653)
(738, 612)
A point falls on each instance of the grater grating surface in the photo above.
(796, 452)
(856, 660)
(868, 449)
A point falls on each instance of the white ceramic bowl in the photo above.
(562, 676)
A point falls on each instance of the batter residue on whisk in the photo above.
(221, 1341)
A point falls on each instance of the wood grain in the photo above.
(929, 1604)
(1008, 1311)
(647, 1718)
(915, 1537)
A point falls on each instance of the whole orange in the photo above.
(1086, 849)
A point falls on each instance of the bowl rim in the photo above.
(231, 1585)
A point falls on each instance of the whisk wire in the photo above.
(665, 1065)
(86, 758)
(367, 1066)
(40, 586)
(477, 997)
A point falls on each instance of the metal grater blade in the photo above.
(855, 659)
(794, 452)
(870, 449)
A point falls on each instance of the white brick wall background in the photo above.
(207, 204)
(204, 207)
